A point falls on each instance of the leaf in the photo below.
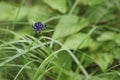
(63, 60)
(74, 41)
(118, 39)
(103, 60)
(107, 36)
(91, 2)
(114, 75)
(38, 13)
(82, 23)
(59, 5)
(71, 75)
(65, 26)
(96, 14)
(116, 53)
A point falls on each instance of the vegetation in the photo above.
(81, 40)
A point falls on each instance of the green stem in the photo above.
(74, 6)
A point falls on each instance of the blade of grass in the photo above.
(72, 55)
(22, 69)
(19, 66)
(11, 58)
(12, 32)
(43, 64)
(16, 16)
(89, 33)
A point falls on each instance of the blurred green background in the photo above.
(81, 40)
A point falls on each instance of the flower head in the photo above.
(38, 26)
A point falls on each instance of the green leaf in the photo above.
(71, 75)
(96, 14)
(103, 60)
(107, 36)
(63, 60)
(82, 23)
(118, 39)
(114, 75)
(91, 2)
(38, 13)
(65, 26)
(59, 5)
(116, 53)
(74, 41)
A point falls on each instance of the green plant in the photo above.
(81, 40)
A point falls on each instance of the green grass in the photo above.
(81, 40)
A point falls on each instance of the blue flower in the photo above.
(38, 26)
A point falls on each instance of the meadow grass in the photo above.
(45, 58)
